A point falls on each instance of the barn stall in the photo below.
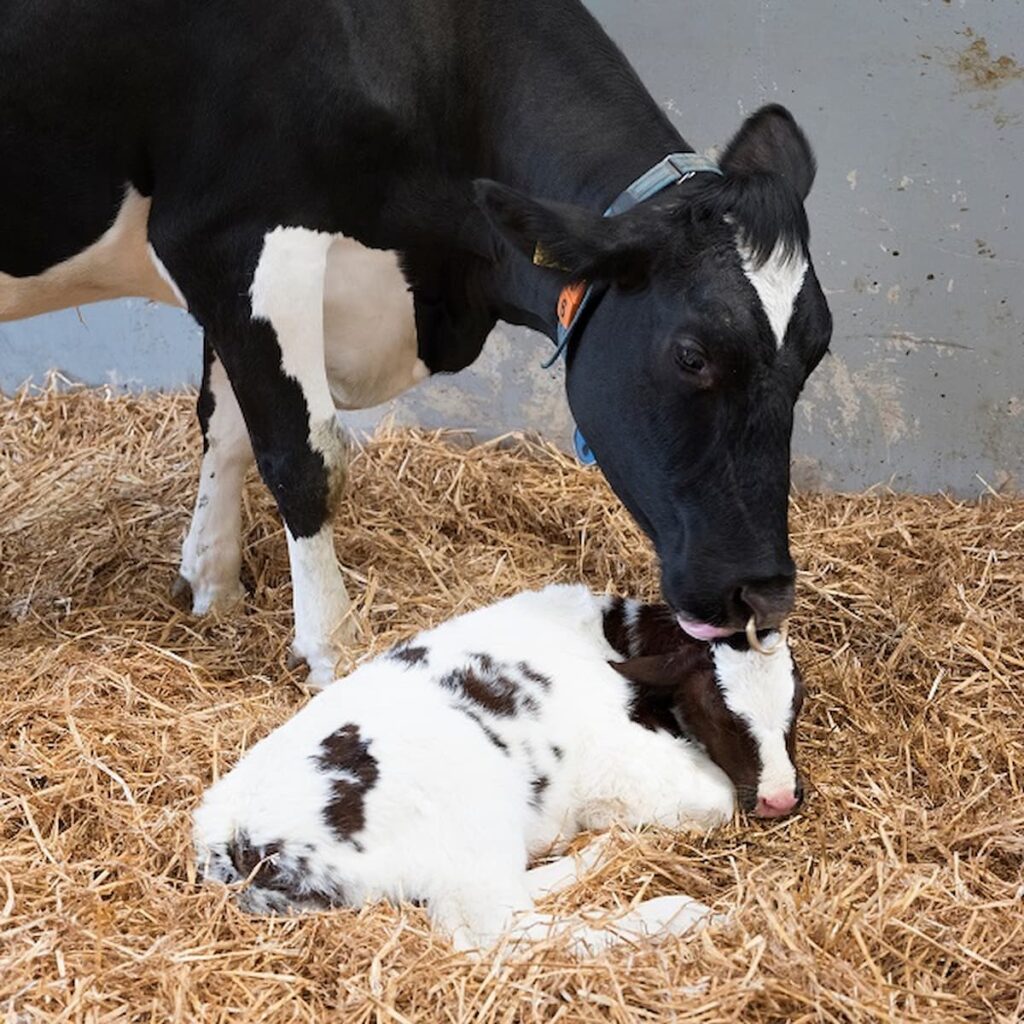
(897, 893)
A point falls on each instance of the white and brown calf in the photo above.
(435, 772)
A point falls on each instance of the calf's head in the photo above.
(683, 377)
(742, 706)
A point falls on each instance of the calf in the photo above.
(437, 770)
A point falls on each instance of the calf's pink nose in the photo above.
(776, 805)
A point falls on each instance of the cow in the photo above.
(434, 772)
(348, 197)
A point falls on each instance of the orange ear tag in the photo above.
(569, 299)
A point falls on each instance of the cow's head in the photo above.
(684, 376)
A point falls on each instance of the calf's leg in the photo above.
(556, 875)
(591, 933)
(496, 911)
(652, 919)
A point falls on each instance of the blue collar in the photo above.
(676, 167)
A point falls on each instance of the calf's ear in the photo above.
(646, 671)
(661, 671)
(559, 236)
(771, 141)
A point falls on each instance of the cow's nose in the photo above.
(777, 805)
(769, 600)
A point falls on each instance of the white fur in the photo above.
(348, 311)
(344, 320)
(321, 604)
(165, 274)
(759, 689)
(631, 612)
(777, 282)
(288, 291)
(369, 326)
(451, 817)
(119, 263)
(211, 555)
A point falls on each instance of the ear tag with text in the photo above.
(569, 301)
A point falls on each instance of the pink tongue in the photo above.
(702, 631)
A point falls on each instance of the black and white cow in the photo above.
(317, 182)
(436, 771)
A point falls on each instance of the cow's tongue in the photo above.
(702, 631)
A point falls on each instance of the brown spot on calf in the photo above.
(530, 673)
(491, 735)
(492, 686)
(346, 757)
(638, 630)
(538, 785)
(615, 631)
(495, 694)
(409, 655)
(282, 881)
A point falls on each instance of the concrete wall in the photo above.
(916, 110)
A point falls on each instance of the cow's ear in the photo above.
(771, 141)
(561, 237)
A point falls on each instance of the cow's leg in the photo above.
(211, 555)
(266, 327)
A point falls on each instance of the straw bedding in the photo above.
(898, 893)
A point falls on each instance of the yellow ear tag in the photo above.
(541, 258)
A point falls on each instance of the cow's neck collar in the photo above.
(673, 169)
(578, 295)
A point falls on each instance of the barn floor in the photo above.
(898, 894)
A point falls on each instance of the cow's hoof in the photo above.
(320, 677)
(202, 599)
(181, 593)
(321, 661)
(221, 599)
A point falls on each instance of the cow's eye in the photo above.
(691, 359)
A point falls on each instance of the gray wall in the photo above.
(916, 110)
